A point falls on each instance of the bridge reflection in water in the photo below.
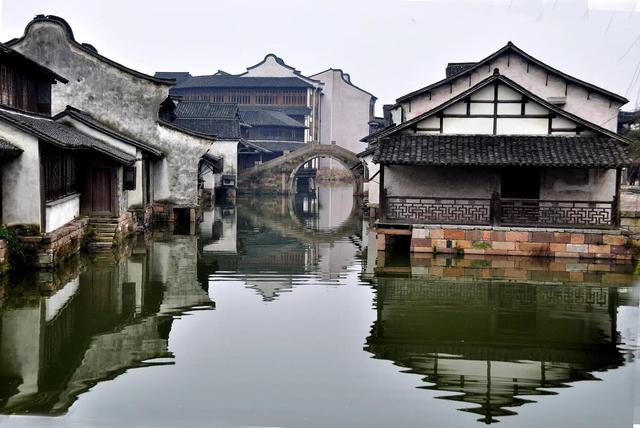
(494, 332)
(283, 241)
(93, 321)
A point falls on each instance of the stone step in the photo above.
(103, 229)
(100, 246)
(103, 220)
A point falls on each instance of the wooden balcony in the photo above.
(498, 211)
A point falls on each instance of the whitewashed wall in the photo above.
(60, 212)
(595, 108)
(346, 111)
(484, 125)
(571, 184)
(556, 184)
(21, 180)
(445, 182)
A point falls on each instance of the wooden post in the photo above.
(495, 209)
(381, 195)
(615, 209)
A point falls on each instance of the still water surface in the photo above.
(277, 314)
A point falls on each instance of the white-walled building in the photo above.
(505, 142)
(346, 110)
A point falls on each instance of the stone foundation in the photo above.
(54, 247)
(508, 241)
(126, 225)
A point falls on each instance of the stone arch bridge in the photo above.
(279, 175)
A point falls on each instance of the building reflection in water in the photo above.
(283, 241)
(493, 332)
(97, 320)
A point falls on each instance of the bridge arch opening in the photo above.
(356, 171)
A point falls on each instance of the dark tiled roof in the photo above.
(8, 150)
(220, 128)
(88, 120)
(229, 81)
(366, 152)
(214, 162)
(454, 68)
(294, 110)
(58, 134)
(203, 109)
(625, 117)
(256, 116)
(277, 146)
(501, 150)
(178, 76)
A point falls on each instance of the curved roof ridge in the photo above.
(85, 47)
(345, 79)
(497, 76)
(514, 48)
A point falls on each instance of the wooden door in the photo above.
(101, 194)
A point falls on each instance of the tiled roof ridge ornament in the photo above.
(496, 71)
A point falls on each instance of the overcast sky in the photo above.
(389, 47)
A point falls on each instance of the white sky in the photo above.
(389, 47)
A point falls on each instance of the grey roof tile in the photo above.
(277, 146)
(220, 128)
(229, 81)
(501, 150)
(61, 135)
(260, 116)
(204, 109)
(8, 150)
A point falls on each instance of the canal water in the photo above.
(280, 313)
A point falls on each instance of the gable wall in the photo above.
(346, 112)
(476, 116)
(596, 109)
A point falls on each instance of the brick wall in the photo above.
(560, 243)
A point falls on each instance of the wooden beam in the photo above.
(495, 108)
(381, 195)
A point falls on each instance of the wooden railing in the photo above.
(528, 212)
(414, 209)
(500, 211)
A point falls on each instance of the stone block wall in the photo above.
(505, 241)
(630, 220)
(59, 245)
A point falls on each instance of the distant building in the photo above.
(269, 84)
(347, 110)
(284, 108)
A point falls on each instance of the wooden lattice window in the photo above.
(59, 176)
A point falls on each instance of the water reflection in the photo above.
(297, 300)
(92, 321)
(492, 332)
(283, 241)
